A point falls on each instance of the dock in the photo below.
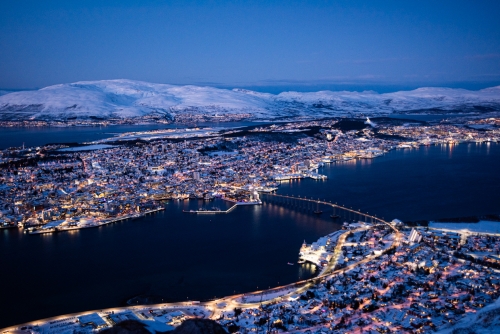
(209, 212)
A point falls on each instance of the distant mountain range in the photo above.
(109, 99)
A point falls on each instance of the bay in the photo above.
(170, 255)
(39, 136)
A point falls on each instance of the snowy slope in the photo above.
(121, 99)
(418, 99)
(127, 98)
(486, 321)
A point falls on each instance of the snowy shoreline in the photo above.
(483, 226)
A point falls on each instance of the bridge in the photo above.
(315, 205)
(273, 294)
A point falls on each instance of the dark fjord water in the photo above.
(173, 255)
(178, 256)
(38, 136)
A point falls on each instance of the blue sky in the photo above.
(263, 45)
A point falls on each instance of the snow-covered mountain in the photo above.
(127, 99)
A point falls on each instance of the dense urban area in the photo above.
(375, 276)
(56, 187)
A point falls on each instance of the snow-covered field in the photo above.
(483, 226)
(127, 98)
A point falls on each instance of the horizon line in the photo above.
(308, 86)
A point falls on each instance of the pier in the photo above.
(210, 211)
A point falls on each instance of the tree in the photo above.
(355, 304)
(233, 328)
(237, 312)
(310, 294)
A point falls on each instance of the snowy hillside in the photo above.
(119, 99)
(486, 321)
(126, 99)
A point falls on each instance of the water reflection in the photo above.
(307, 270)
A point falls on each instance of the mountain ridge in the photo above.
(123, 99)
